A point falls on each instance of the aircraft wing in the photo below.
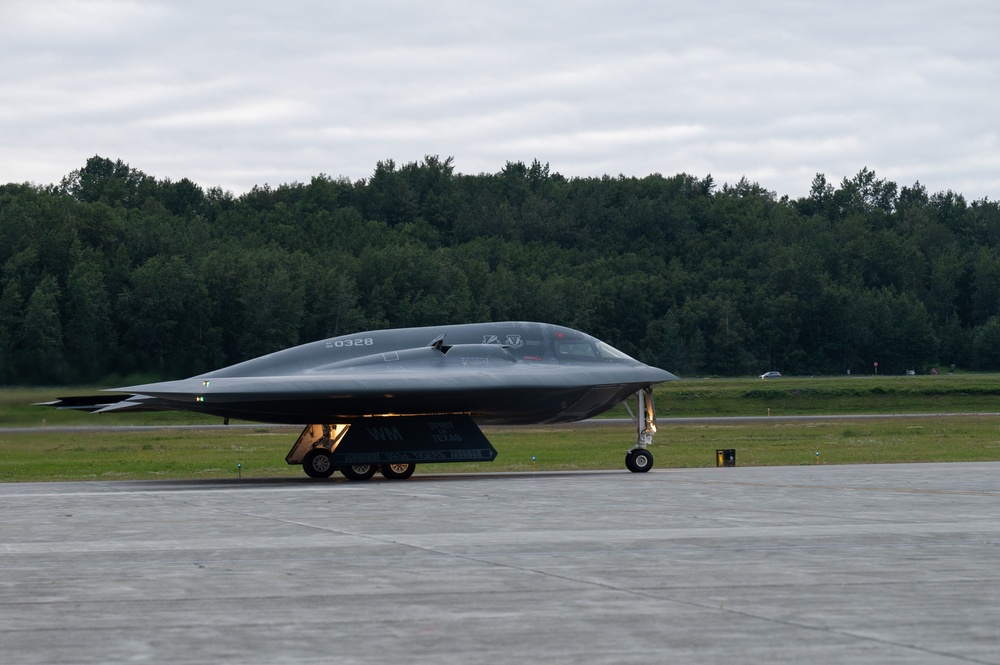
(105, 403)
(543, 393)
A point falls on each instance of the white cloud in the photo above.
(229, 93)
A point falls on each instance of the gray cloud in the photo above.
(237, 94)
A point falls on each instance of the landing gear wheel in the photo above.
(400, 471)
(359, 471)
(639, 460)
(318, 464)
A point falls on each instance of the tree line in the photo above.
(113, 273)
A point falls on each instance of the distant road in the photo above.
(814, 418)
(593, 422)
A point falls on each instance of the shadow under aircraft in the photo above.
(387, 400)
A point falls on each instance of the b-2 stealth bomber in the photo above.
(387, 400)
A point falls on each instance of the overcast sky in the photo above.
(241, 93)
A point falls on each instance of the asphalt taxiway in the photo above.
(817, 564)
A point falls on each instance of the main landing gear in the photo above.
(318, 464)
(359, 471)
(390, 445)
(398, 471)
(638, 459)
(317, 461)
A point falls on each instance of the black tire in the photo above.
(639, 460)
(359, 471)
(400, 471)
(318, 464)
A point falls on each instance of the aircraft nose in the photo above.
(667, 376)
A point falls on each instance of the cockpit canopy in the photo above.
(584, 348)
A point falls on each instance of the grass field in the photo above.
(958, 393)
(259, 452)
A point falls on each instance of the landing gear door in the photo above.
(316, 436)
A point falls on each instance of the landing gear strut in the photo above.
(638, 459)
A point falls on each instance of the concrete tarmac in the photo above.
(819, 564)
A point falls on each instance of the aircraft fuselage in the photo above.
(499, 373)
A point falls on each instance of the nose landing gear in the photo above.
(638, 459)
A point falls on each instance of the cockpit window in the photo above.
(575, 348)
(608, 351)
(589, 349)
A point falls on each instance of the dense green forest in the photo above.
(113, 272)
